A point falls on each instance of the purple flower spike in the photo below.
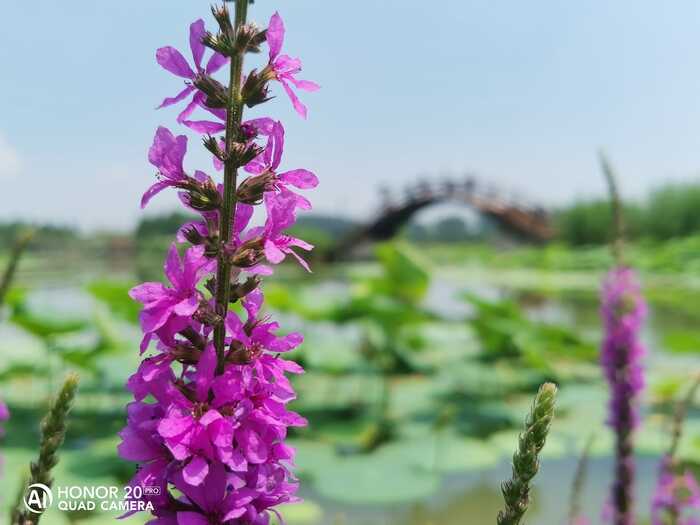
(285, 67)
(173, 61)
(623, 311)
(210, 417)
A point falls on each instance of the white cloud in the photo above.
(10, 160)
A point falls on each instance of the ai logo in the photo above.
(38, 498)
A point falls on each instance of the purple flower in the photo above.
(623, 311)
(280, 216)
(284, 67)
(257, 335)
(176, 305)
(267, 163)
(675, 493)
(167, 154)
(172, 60)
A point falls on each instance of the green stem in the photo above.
(617, 210)
(234, 116)
(579, 481)
(679, 416)
(11, 268)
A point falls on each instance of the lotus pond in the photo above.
(417, 381)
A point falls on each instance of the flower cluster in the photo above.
(675, 493)
(623, 311)
(209, 419)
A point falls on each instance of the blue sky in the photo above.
(521, 93)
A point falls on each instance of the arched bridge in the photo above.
(521, 219)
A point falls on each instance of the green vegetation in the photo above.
(415, 371)
(669, 212)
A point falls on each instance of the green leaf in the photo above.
(682, 341)
(115, 295)
(405, 275)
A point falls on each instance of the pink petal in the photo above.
(189, 109)
(262, 125)
(273, 253)
(305, 85)
(172, 268)
(301, 261)
(151, 192)
(172, 60)
(298, 106)
(235, 513)
(177, 98)
(244, 212)
(174, 426)
(204, 126)
(196, 471)
(186, 307)
(252, 303)
(275, 35)
(278, 149)
(196, 33)
(205, 372)
(216, 62)
(255, 448)
(191, 518)
(301, 178)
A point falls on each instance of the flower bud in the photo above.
(248, 254)
(194, 337)
(240, 290)
(205, 314)
(204, 196)
(247, 132)
(193, 236)
(185, 390)
(186, 353)
(243, 152)
(210, 285)
(213, 89)
(252, 189)
(249, 38)
(238, 353)
(212, 144)
(255, 89)
(221, 43)
(223, 18)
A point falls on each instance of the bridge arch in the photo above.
(522, 219)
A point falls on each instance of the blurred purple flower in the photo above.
(623, 311)
(675, 493)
